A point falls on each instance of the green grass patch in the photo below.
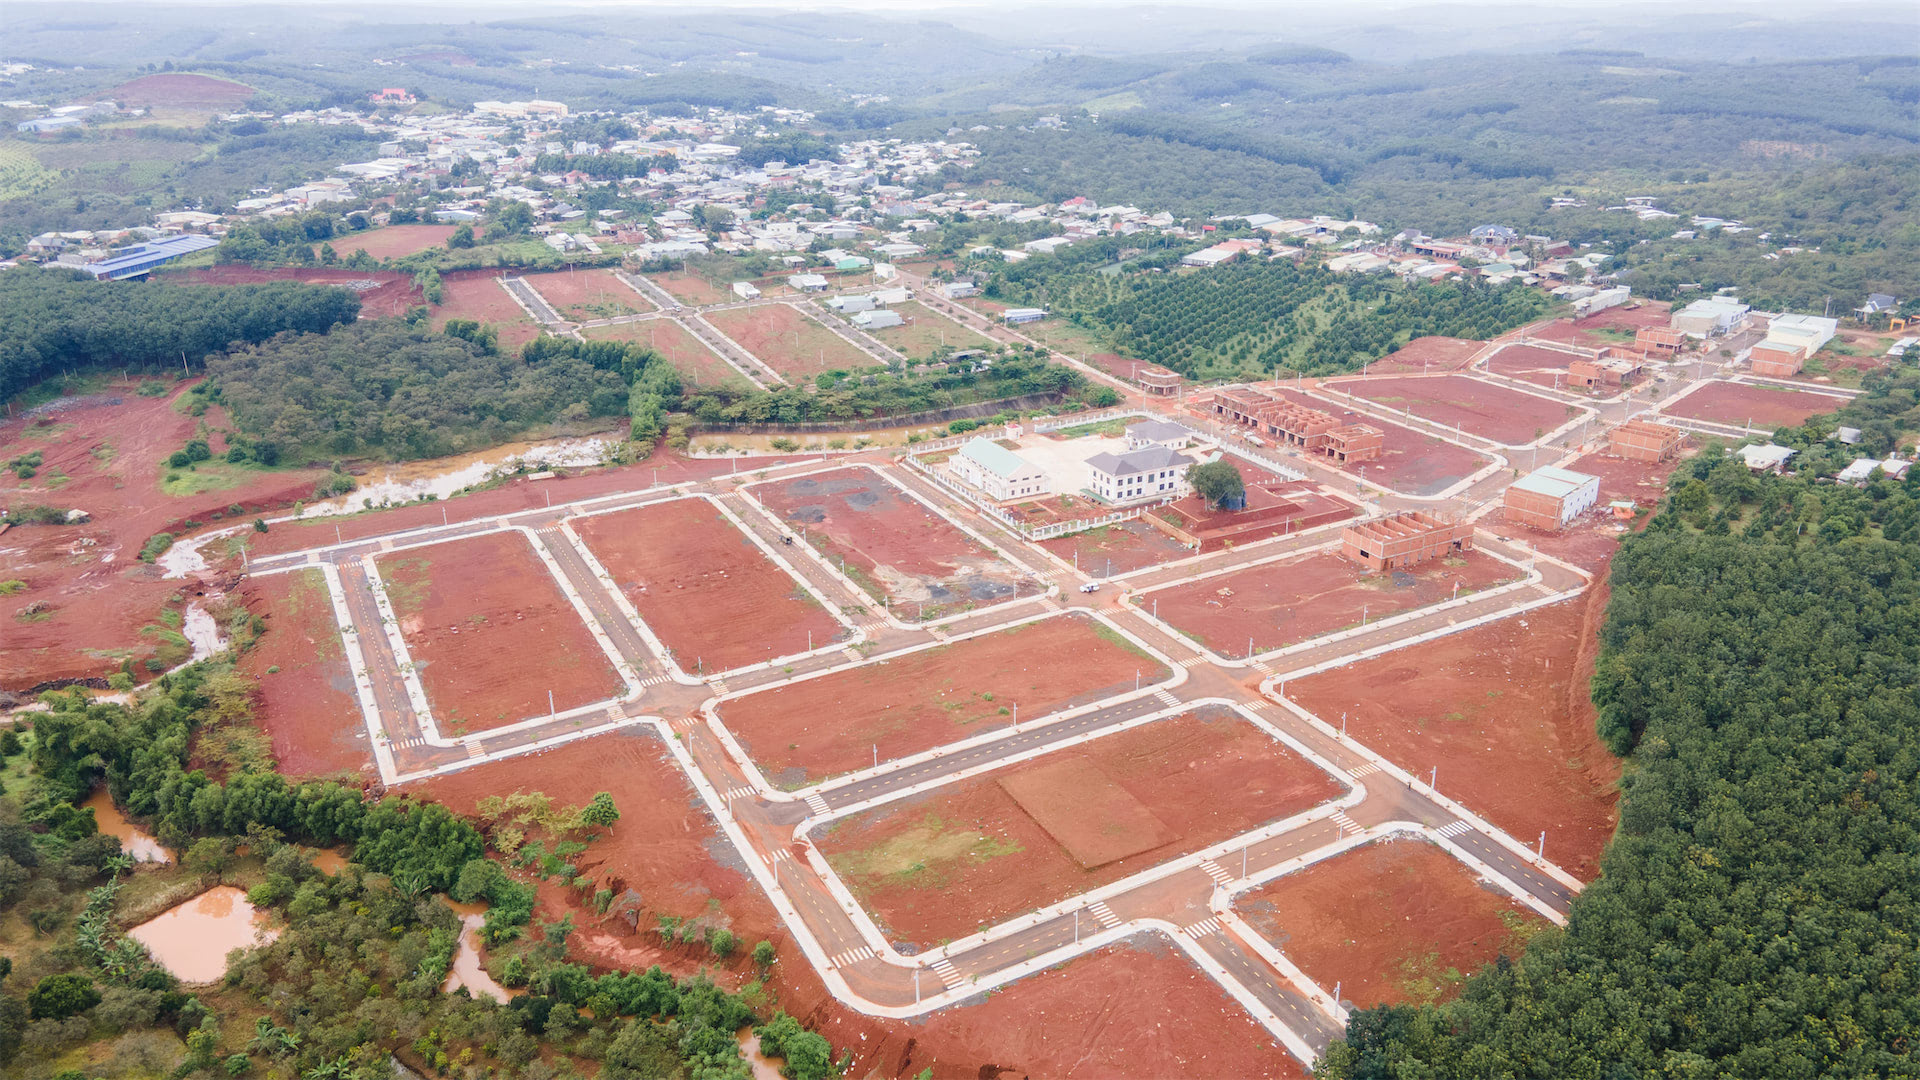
(922, 855)
(205, 476)
(1113, 428)
(21, 173)
(407, 583)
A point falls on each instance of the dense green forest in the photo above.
(357, 969)
(54, 321)
(1758, 913)
(397, 391)
(1253, 318)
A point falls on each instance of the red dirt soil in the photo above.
(667, 848)
(393, 241)
(1200, 778)
(1281, 603)
(581, 295)
(892, 544)
(1411, 462)
(1427, 354)
(696, 363)
(1494, 412)
(1129, 545)
(714, 598)
(1503, 711)
(308, 706)
(1767, 408)
(1531, 364)
(1138, 1009)
(768, 332)
(664, 846)
(178, 89)
(111, 449)
(491, 633)
(512, 496)
(692, 288)
(820, 727)
(478, 295)
(391, 296)
(1392, 922)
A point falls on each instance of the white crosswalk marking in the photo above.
(742, 792)
(947, 972)
(817, 804)
(653, 680)
(880, 626)
(1193, 661)
(719, 685)
(854, 956)
(474, 750)
(1215, 871)
(1105, 914)
(1263, 667)
(1202, 928)
(1167, 698)
(1346, 823)
(1364, 769)
(1256, 706)
(1455, 828)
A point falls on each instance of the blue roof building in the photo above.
(142, 258)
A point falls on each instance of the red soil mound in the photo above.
(383, 293)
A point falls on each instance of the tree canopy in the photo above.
(1216, 481)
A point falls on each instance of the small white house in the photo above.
(958, 290)
(746, 290)
(878, 319)
(808, 282)
(1153, 473)
(1765, 458)
(847, 305)
(1017, 315)
(997, 471)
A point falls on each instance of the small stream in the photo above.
(467, 970)
(441, 477)
(133, 840)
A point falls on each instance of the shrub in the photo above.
(57, 997)
(178, 460)
(156, 546)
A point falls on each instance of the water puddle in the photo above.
(199, 628)
(193, 939)
(133, 840)
(467, 970)
(183, 558)
(764, 1067)
(442, 477)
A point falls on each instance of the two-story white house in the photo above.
(1148, 433)
(1155, 472)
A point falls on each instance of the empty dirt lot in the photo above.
(1764, 407)
(891, 544)
(905, 704)
(696, 363)
(790, 343)
(713, 598)
(309, 707)
(1280, 603)
(1397, 921)
(491, 633)
(1475, 407)
(946, 863)
(1503, 711)
(581, 295)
